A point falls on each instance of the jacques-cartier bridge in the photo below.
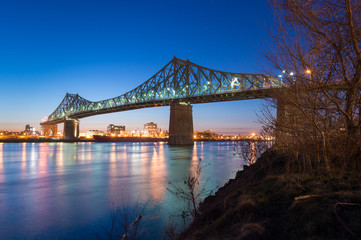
(179, 84)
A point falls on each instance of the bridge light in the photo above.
(235, 82)
(280, 76)
(291, 73)
(284, 71)
(208, 83)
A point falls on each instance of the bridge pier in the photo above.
(181, 124)
(280, 118)
(50, 129)
(290, 120)
(71, 129)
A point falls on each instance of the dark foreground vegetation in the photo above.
(267, 201)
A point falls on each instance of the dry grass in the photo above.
(262, 203)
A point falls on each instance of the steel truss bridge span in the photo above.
(179, 80)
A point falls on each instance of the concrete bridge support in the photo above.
(281, 119)
(181, 124)
(290, 120)
(281, 111)
(71, 129)
(50, 129)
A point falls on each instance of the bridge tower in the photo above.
(50, 129)
(289, 119)
(71, 129)
(181, 124)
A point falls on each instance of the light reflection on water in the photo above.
(1, 161)
(63, 190)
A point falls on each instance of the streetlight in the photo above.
(308, 75)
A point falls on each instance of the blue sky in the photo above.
(102, 49)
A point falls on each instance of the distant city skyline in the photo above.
(102, 50)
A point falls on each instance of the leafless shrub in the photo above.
(192, 190)
(125, 221)
(249, 151)
(171, 230)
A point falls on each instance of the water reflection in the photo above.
(59, 156)
(66, 187)
(249, 151)
(33, 158)
(23, 157)
(156, 170)
(43, 152)
(1, 162)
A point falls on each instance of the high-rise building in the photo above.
(30, 130)
(27, 128)
(151, 129)
(115, 129)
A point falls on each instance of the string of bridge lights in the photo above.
(284, 72)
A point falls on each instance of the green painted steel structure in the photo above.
(179, 80)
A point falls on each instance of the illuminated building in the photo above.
(115, 129)
(151, 129)
(30, 130)
(207, 134)
(91, 133)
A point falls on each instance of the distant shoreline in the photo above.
(132, 139)
(35, 140)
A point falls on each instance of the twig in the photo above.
(307, 197)
(339, 219)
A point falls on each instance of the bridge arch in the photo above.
(50, 130)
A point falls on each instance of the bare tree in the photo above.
(192, 190)
(125, 221)
(317, 50)
(249, 150)
(170, 231)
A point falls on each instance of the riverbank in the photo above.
(263, 202)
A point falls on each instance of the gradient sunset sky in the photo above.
(102, 49)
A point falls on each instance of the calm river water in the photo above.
(65, 190)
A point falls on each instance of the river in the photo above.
(67, 190)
